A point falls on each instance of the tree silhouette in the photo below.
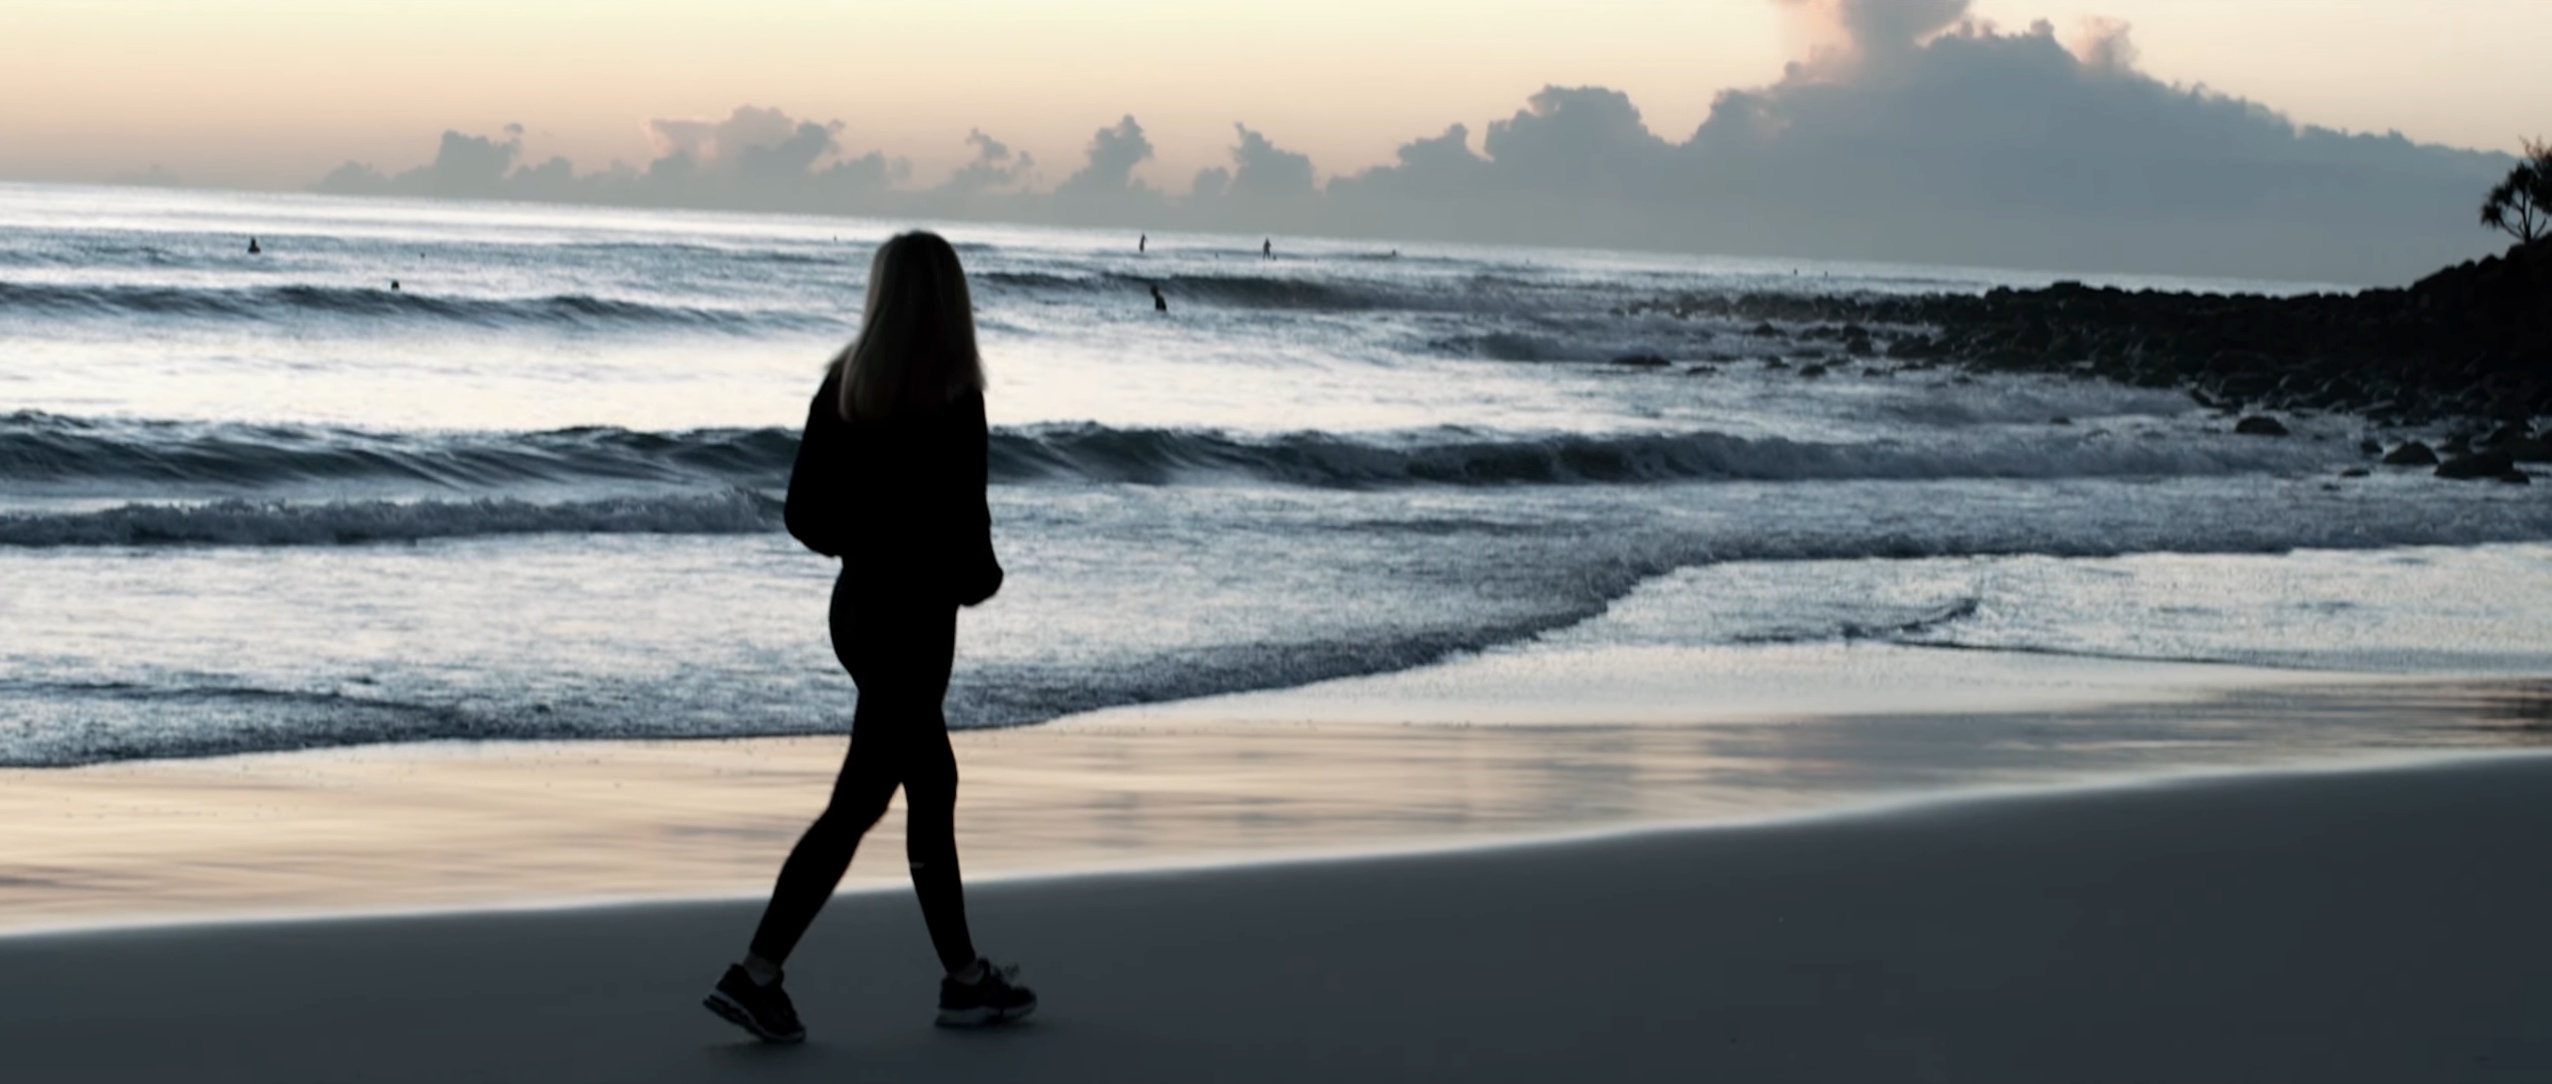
(2522, 204)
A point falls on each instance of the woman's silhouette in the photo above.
(890, 478)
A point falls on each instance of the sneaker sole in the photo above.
(730, 1011)
(983, 1016)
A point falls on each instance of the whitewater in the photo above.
(423, 471)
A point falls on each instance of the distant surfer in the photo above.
(1159, 303)
(1142, 242)
(1267, 248)
(253, 250)
(394, 286)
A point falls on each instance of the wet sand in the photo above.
(392, 828)
(2378, 925)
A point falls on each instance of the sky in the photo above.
(2203, 136)
(274, 93)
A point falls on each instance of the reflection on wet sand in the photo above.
(475, 824)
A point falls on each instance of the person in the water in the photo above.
(1142, 241)
(1159, 303)
(252, 247)
(890, 478)
(1267, 248)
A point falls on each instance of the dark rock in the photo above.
(1701, 370)
(2467, 343)
(1642, 361)
(2411, 453)
(1812, 371)
(2060, 420)
(2260, 425)
(2505, 434)
(2370, 447)
(2477, 465)
(1766, 330)
(2529, 450)
(2514, 476)
(1775, 363)
(2355, 472)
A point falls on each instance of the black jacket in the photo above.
(901, 501)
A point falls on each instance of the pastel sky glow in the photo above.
(274, 93)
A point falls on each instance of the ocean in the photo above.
(268, 502)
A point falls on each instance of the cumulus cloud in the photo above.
(2103, 46)
(754, 158)
(1910, 131)
(748, 130)
(1914, 132)
(994, 166)
(1112, 155)
(1211, 183)
(464, 167)
(1264, 171)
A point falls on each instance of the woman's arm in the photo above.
(814, 509)
(978, 571)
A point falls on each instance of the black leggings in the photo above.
(898, 653)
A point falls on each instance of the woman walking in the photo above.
(890, 478)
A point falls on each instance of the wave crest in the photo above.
(285, 523)
(150, 457)
(269, 302)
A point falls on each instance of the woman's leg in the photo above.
(823, 854)
(899, 655)
(930, 842)
(921, 654)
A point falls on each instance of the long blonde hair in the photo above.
(916, 348)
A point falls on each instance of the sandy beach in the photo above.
(2376, 925)
(1488, 749)
(1605, 592)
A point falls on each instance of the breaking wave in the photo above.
(258, 303)
(309, 523)
(147, 457)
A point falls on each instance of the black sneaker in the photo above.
(763, 1010)
(993, 999)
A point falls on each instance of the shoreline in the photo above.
(1219, 783)
(1971, 800)
(2288, 926)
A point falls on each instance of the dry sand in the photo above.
(2384, 925)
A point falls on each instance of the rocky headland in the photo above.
(2466, 352)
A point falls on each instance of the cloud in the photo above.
(714, 143)
(2103, 46)
(1911, 131)
(994, 166)
(1113, 153)
(754, 158)
(1211, 183)
(1916, 133)
(464, 167)
(1266, 188)
(1266, 172)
